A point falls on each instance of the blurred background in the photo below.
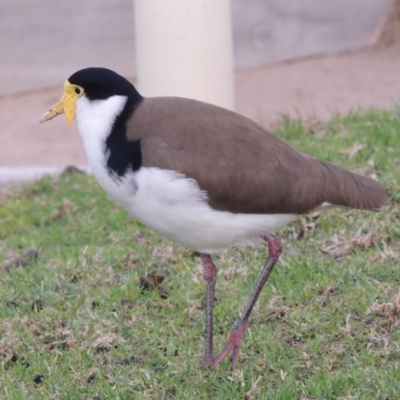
(304, 59)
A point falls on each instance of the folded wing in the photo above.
(242, 167)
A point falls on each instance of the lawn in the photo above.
(76, 323)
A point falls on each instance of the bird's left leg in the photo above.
(238, 330)
(210, 276)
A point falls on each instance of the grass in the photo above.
(326, 325)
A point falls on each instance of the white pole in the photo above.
(184, 48)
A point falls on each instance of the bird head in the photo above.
(94, 84)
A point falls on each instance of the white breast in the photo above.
(174, 206)
(166, 201)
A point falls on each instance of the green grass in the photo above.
(323, 328)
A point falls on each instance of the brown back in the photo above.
(242, 167)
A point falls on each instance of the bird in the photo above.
(203, 176)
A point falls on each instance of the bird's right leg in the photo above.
(210, 276)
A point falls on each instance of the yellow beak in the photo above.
(66, 105)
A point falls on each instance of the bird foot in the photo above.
(233, 344)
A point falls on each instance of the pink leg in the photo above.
(210, 276)
(237, 332)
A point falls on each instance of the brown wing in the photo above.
(242, 167)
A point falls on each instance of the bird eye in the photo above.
(77, 90)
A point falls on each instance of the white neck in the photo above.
(95, 120)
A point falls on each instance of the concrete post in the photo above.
(184, 48)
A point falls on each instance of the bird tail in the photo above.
(352, 190)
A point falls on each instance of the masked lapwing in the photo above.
(202, 176)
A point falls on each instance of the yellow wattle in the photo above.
(69, 102)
